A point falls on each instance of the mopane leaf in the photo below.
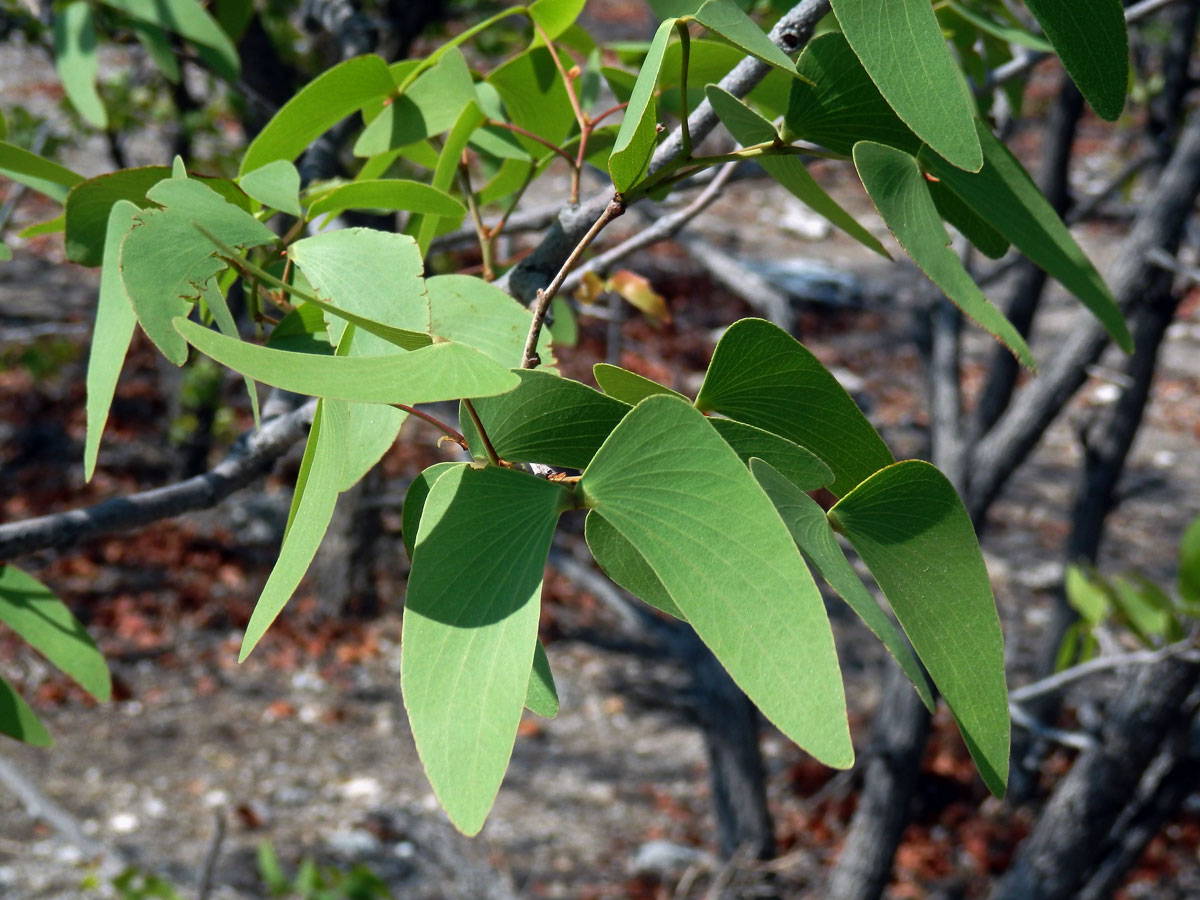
(801, 467)
(910, 528)
(1092, 42)
(275, 185)
(729, 21)
(90, 202)
(622, 562)
(814, 536)
(30, 609)
(764, 377)
(428, 107)
(471, 311)
(470, 628)
(547, 419)
(748, 127)
(899, 191)
(626, 386)
(1004, 196)
(319, 105)
(312, 507)
(636, 139)
(75, 59)
(20, 722)
(110, 336)
(165, 262)
(414, 502)
(387, 194)
(678, 493)
(541, 697)
(188, 19)
(46, 177)
(434, 373)
(901, 46)
(555, 16)
(986, 239)
(535, 97)
(301, 331)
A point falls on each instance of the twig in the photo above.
(445, 429)
(39, 806)
(211, 856)
(251, 457)
(1186, 649)
(1076, 739)
(530, 359)
(549, 145)
(481, 232)
(492, 455)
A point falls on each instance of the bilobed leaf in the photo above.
(910, 528)
(555, 16)
(535, 98)
(986, 239)
(317, 107)
(414, 502)
(541, 697)
(1093, 44)
(901, 46)
(312, 507)
(434, 373)
(622, 562)
(841, 106)
(636, 139)
(814, 536)
(1009, 34)
(31, 170)
(20, 722)
(547, 419)
(470, 628)
(275, 185)
(90, 202)
(626, 386)
(470, 311)
(370, 273)
(165, 262)
(301, 331)
(764, 377)
(188, 19)
(748, 127)
(110, 336)
(729, 21)
(1004, 195)
(75, 59)
(801, 467)
(30, 609)
(898, 190)
(678, 493)
(428, 107)
(387, 194)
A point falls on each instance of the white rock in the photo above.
(123, 823)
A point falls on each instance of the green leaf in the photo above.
(898, 190)
(541, 697)
(188, 19)
(50, 226)
(637, 137)
(430, 106)
(18, 721)
(842, 106)
(470, 628)
(5, 252)
(375, 274)
(46, 177)
(426, 227)
(555, 16)
(1093, 44)
(275, 185)
(1009, 34)
(983, 236)
(158, 45)
(110, 337)
(910, 528)
(901, 46)
(75, 59)
(547, 419)
(764, 377)
(414, 502)
(165, 262)
(748, 128)
(30, 609)
(470, 311)
(729, 21)
(814, 536)
(1004, 196)
(317, 107)
(535, 97)
(561, 323)
(214, 299)
(1086, 596)
(90, 202)
(387, 194)
(1189, 566)
(668, 483)
(622, 562)
(312, 507)
(801, 467)
(431, 374)
(301, 331)
(626, 386)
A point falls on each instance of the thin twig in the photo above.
(530, 359)
(1056, 682)
(481, 232)
(211, 856)
(492, 455)
(550, 145)
(435, 422)
(1076, 739)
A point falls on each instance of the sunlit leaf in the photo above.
(622, 562)
(75, 59)
(470, 311)
(275, 185)
(636, 139)
(189, 20)
(387, 194)
(20, 722)
(626, 386)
